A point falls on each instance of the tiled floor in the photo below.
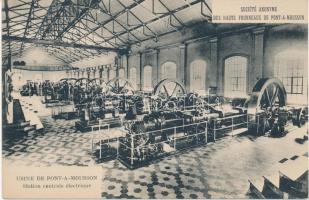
(217, 170)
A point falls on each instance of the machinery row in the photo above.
(149, 126)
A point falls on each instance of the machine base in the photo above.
(66, 116)
(86, 126)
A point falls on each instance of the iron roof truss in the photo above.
(82, 28)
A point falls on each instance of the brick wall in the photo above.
(259, 44)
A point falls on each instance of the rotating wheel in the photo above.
(156, 104)
(120, 86)
(199, 103)
(98, 100)
(170, 105)
(169, 88)
(69, 80)
(72, 80)
(81, 91)
(83, 83)
(266, 106)
(300, 117)
(98, 86)
(303, 117)
(65, 91)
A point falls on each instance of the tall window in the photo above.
(104, 75)
(121, 73)
(38, 78)
(169, 70)
(133, 76)
(112, 74)
(198, 76)
(97, 73)
(148, 78)
(235, 76)
(291, 68)
(17, 80)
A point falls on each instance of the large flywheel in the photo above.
(68, 80)
(266, 106)
(267, 94)
(82, 83)
(98, 86)
(120, 86)
(82, 91)
(168, 88)
(166, 94)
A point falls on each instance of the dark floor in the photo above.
(216, 170)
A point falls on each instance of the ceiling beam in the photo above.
(154, 20)
(173, 14)
(45, 26)
(27, 24)
(82, 14)
(7, 18)
(135, 4)
(56, 43)
(43, 68)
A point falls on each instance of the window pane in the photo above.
(169, 70)
(104, 75)
(133, 77)
(198, 76)
(290, 70)
(148, 78)
(235, 77)
(112, 74)
(121, 73)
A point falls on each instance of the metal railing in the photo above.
(231, 121)
(174, 134)
(164, 141)
(98, 136)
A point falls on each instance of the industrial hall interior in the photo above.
(168, 104)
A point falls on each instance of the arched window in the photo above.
(121, 73)
(235, 76)
(38, 78)
(105, 75)
(112, 74)
(83, 74)
(132, 76)
(97, 73)
(169, 70)
(290, 67)
(17, 80)
(198, 76)
(92, 75)
(147, 78)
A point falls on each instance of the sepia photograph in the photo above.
(160, 96)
